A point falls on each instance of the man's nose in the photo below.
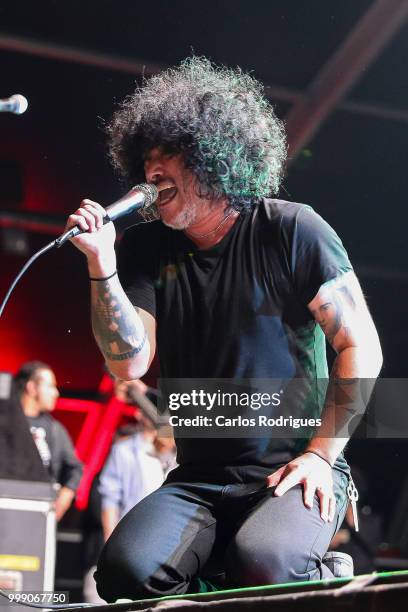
(153, 170)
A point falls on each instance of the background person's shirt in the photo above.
(131, 472)
(56, 450)
(19, 459)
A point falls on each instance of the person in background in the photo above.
(131, 472)
(36, 389)
(138, 461)
(137, 393)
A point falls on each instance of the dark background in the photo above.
(352, 170)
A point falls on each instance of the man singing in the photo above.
(229, 284)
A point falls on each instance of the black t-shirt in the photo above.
(19, 459)
(56, 450)
(237, 310)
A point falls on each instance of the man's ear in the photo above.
(31, 388)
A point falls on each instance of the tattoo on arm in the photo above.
(347, 295)
(114, 327)
(330, 314)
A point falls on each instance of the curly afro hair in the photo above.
(217, 119)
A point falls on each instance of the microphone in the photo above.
(16, 104)
(138, 198)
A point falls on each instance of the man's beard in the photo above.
(184, 219)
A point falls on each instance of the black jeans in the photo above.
(178, 532)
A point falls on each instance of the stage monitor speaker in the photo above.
(27, 535)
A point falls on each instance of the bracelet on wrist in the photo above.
(105, 278)
(319, 455)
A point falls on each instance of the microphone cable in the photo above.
(139, 199)
(24, 269)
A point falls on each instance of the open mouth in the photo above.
(166, 195)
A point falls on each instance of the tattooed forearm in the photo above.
(346, 402)
(345, 392)
(117, 331)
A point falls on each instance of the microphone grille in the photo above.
(151, 193)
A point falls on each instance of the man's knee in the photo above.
(133, 574)
(119, 576)
(248, 564)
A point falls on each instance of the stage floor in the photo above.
(387, 591)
